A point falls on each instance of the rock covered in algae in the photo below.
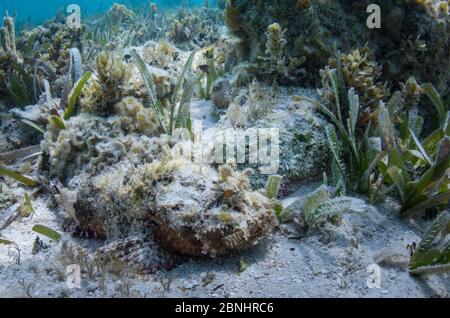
(91, 142)
(303, 148)
(214, 214)
(414, 36)
(189, 209)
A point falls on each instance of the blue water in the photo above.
(37, 11)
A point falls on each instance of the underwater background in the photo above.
(134, 146)
(34, 12)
